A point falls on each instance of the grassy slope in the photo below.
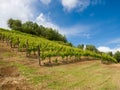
(88, 75)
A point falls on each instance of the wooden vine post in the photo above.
(101, 58)
(18, 43)
(11, 43)
(27, 48)
(39, 55)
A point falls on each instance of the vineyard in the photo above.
(44, 49)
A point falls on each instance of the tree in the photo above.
(117, 56)
(91, 48)
(15, 24)
(42, 31)
(36, 29)
(33, 28)
(81, 46)
(110, 53)
(29, 27)
(64, 39)
(10, 23)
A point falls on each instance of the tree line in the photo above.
(92, 48)
(35, 29)
(88, 47)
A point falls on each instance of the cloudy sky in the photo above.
(94, 22)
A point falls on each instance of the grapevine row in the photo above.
(44, 48)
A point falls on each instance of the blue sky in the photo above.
(95, 22)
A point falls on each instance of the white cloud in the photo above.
(17, 9)
(115, 41)
(46, 2)
(79, 30)
(69, 4)
(104, 49)
(45, 21)
(79, 4)
(107, 49)
(75, 30)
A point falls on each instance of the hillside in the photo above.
(46, 51)
(17, 72)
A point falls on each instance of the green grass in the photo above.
(8, 54)
(89, 76)
(80, 76)
(24, 69)
(31, 73)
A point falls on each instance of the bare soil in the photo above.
(10, 77)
